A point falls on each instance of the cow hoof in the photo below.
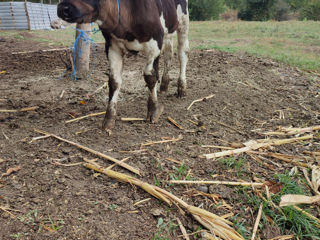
(154, 116)
(163, 89)
(108, 125)
(181, 92)
(164, 84)
(109, 132)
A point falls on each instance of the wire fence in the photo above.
(26, 15)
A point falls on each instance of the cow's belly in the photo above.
(126, 45)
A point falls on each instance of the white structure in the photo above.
(26, 15)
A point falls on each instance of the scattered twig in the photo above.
(214, 223)
(99, 114)
(2, 160)
(308, 215)
(253, 145)
(134, 151)
(115, 164)
(19, 110)
(255, 228)
(173, 160)
(142, 201)
(5, 136)
(208, 236)
(217, 182)
(234, 151)
(67, 164)
(97, 90)
(287, 160)
(86, 116)
(231, 214)
(254, 157)
(200, 100)
(182, 229)
(38, 138)
(132, 119)
(171, 120)
(312, 153)
(6, 210)
(294, 131)
(124, 165)
(217, 147)
(199, 124)
(269, 202)
(162, 141)
(40, 51)
(11, 170)
(62, 93)
(314, 183)
(284, 237)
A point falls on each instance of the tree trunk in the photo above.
(83, 52)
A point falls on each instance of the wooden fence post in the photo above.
(27, 13)
(83, 52)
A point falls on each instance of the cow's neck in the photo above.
(109, 17)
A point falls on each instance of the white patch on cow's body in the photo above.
(163, 24)
(116, 61)
(167, 50)
(99, 22)
(152, 51)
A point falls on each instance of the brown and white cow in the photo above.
(136, 25)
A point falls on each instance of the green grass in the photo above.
(165, 230)
(296, 43)
(290, 219)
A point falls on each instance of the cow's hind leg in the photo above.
(183, 48)
(115, 56)
(151, 76)
(167, 56)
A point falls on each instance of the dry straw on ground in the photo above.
(218, 226)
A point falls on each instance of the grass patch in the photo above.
(296, 43)
(165, 230)
(291, 220)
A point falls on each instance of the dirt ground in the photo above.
(46, 200)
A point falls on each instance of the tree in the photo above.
(234, 4)
(256, 10)
(295, 5)
(205, 9)
(311, 10)
(281, 10)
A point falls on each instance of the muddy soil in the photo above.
(48, 200)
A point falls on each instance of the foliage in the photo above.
(297, 4)
(290, 218)
(311, 10)
(281, 10)
(165, 230)
(234, 4)
(256, 10)
(205, 9)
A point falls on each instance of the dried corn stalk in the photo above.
(217, 225)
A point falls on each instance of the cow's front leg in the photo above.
(115, 56)
(151, 76)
